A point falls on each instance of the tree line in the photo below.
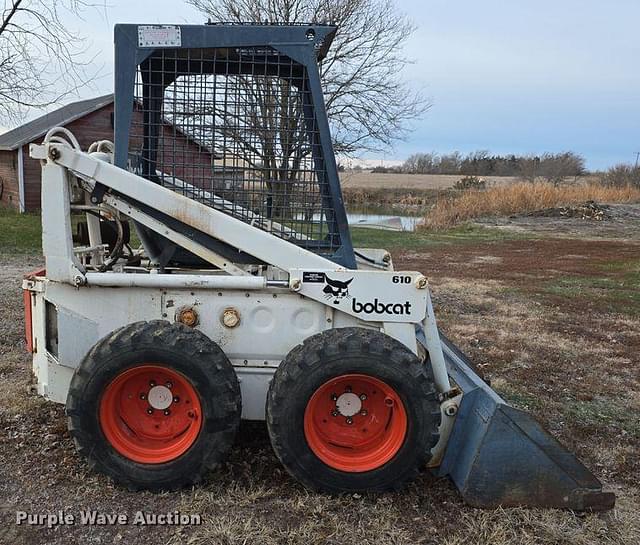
(550, 166)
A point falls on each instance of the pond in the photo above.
(378, 220)
(391, 222)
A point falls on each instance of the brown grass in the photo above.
(521, 198)
(548, 356)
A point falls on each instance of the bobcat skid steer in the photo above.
(245, 297)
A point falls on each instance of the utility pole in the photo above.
(637, 157)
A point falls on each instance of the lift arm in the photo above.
(268, 248)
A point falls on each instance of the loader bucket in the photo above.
(501, 456)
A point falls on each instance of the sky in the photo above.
(509, 77)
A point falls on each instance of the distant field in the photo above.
(369, 180)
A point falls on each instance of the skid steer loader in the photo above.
(246, 298)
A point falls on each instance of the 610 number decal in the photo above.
(401, 279)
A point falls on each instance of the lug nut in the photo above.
(349, 420)
(149, 410)
(169, 385)
(152, 383)
(143, 397)
(167, 412)
(334, 413)
(363, 397)
(363, 412)
(334, 397)
(176, 399)
(348, 389)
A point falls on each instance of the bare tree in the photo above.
(553, 167)
(556, 167)
(40, 58)
(621, 175)
(368, 104)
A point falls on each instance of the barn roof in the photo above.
(28, 132)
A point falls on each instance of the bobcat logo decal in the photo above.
(336, 290)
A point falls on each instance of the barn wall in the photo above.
(9, 174)
(178, 155)
(87, 129)
(98, 126)
(32, 181)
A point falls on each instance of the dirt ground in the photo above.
(553, 321)
(622, 221)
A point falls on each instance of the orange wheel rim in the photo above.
(355, 423)
(150, 414)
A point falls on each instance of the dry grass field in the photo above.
(369, 180)
(522, 198)
(434, 195)
(554, 322)
(365, 179)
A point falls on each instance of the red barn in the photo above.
(89, 120)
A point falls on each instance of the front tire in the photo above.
(353, 410)
(154, 405)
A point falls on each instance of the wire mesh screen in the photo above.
(235, 129)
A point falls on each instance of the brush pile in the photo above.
(589, 210)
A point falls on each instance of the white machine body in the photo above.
(255, 315)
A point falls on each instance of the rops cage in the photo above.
(213, 113)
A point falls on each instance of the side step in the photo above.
(501, 456)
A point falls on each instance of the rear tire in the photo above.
(353, 410)
(154, 405)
